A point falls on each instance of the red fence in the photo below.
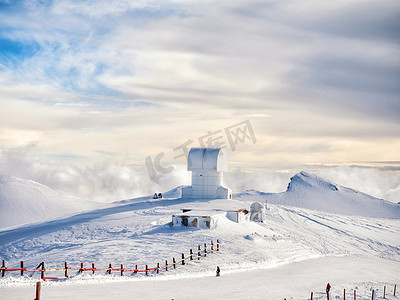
(201, 251)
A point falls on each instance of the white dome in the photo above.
(257, 206)
(207, 159)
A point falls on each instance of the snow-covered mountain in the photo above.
(309, 191)
(25, 201)
(295, 247)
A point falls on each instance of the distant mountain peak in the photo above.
(309, 191)
(308, 180)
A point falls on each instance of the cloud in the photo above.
(381, 184)
(106, 182)
(98, 9)
(318, 80)
(109, 182)
(271, 55)
(264, 181)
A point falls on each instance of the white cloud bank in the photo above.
(104, 182)
(109, 182)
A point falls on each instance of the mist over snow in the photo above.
(112, 181)
(383, 184)
(103, 182)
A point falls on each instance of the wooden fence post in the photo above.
(205, 249)
(42, 275)
(198, 252)
(93, 268)
(217, 245)
(174, 262)
(66, 269)
(147, 270)
(372, 298)
(355, 296)
(3, 271)
(109, 269)
(122, 269)
(394, 293)
(212, 246)
(183, 259)
(158, 268)
(344, 294)
(384, 292)
(191, 254)
(166, 265)
(22, 268)
(312, 294)
(81, 269)
(38, 290)
(136, 269)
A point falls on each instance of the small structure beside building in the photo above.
(257, 212)
(238, 216)
(197, 218)
(207, 166)
(208, 218)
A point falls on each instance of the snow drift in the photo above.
(309, 191)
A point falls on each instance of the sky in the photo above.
(102, 98)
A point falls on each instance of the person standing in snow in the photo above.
(328, 288)
(218, 271)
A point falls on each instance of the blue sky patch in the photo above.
(15, 50)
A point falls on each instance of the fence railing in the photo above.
(200, 251)
(354, 294)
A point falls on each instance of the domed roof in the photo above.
(207, 159)
(257, 206)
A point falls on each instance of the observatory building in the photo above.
(207, 165)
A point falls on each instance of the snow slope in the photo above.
(139, 233)
(291, 281)
(25, 201)
(298, 247)
(309, 191)
(257, 260)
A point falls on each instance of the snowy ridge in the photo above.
(25, 201)
(309, 191)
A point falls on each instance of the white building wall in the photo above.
(205, 184)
